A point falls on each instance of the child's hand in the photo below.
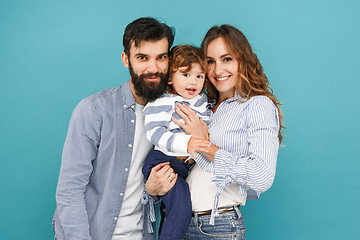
(197, 144)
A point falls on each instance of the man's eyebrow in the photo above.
(140, 55)
(164, 53)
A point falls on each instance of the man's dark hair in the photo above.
(147, 29)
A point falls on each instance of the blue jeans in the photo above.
(229, 225)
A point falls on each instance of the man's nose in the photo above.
(153, 66)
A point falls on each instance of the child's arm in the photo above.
(157, 120)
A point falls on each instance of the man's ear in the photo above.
(125, 59)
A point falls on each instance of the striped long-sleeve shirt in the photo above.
(247, 134)
(162, 131)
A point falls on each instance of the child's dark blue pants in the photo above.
(177, 201)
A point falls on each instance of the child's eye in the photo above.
(200, 76)
(186, 75)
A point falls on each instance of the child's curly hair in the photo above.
(184, 56)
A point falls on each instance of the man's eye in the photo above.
(141, 57)
(162, 57)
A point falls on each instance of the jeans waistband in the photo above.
(228, 210)
(221, 210)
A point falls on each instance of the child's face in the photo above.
(188, 84)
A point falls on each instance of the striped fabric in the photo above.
(162, 131)
(247, 134)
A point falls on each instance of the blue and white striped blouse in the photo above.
(246, 131)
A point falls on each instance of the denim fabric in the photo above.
(177, 201)
(229, 225)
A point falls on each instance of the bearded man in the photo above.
(100, 184)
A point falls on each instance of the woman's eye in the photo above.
(228, 59)
(210, 61)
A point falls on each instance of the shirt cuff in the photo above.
(226, 164)
(155, 199)
(180, 143)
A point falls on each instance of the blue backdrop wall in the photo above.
(54, 53)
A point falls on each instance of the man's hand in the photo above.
(161, 179)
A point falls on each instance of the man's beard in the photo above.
(148, 91)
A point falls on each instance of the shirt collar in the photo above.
(236, 97)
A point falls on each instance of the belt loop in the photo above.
(237, 210)
(196, 220)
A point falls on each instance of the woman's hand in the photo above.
(193, 124)
(197, 144)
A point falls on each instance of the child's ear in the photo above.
(169, 81)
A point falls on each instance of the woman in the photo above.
(244, 131)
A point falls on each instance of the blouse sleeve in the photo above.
(254, 172)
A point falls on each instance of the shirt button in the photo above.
(121, 194)
(126, 169)
(132, 121)
(125, 106)
(130, 145)
(115, 218)
(132, 106)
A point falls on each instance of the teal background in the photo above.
(54, 53)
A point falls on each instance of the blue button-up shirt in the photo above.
(92, 178)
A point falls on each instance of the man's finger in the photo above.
(172, 182)
(159, 166)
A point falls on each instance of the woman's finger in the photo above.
(191, 113)
(182, 115)
(188, 111)
(177, 122)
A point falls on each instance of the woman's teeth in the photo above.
(222, 78)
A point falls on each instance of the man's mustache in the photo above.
(150, 75)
